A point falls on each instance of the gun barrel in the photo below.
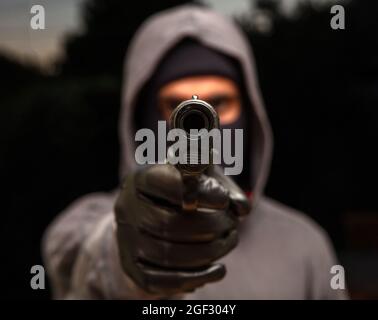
(189, 115)
(194, 114)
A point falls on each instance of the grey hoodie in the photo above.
(282, 254)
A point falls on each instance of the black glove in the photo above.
(166, 250)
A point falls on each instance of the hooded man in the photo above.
(138, 243)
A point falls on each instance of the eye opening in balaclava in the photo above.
(190, 58)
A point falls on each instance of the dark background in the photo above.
(59, 131)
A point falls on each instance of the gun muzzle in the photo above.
(195, 114)
(189, 115)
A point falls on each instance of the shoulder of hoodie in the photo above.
(292, 225)
(96, 201)
(86, 208)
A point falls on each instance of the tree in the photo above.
(318, 85)
(108, 28)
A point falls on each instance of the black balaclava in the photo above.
(190, 58)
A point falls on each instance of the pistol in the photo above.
(194, 114)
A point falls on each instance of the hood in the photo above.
(160, 33)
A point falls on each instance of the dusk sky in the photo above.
(62, 17)
(17, 37)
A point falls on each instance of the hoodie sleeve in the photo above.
(97, 273)
(80, 253)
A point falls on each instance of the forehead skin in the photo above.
(202, 86)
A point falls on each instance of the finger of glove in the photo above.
(175, 255)
(153, 278)
(172, 282)
(164, 184)
(239, 203)
(166, 223)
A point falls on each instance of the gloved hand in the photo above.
(166, 250)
